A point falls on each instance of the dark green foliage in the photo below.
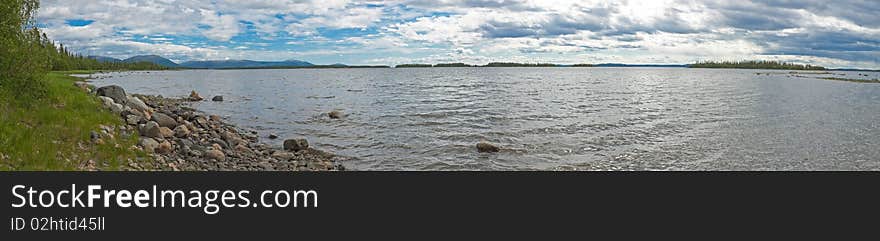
(582, 65)
(499, 64)
(453, 65)
(413, 66)
(752, 64)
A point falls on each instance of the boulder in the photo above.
(273, 136)
(149, 144)
(193, 96)
(166, 132)
(106, 101)
(486, 147)
(137, 104)
(164, 147)
(164, 120)
(117, 108)
(215, 155)
(114, 92)
(217, 98)
(296, 144)
(181, 131)
(151, 129)
(335, 114)
(133, 119)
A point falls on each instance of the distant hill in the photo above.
(641, 65)
(232, 64)
(152, 59)
(105, 59)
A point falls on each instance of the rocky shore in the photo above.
(177, 137)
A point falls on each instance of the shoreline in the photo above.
(180, 138)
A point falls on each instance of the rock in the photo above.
(242, 149)
(106, 101)
(219, 144)
(133, 119)
(149, 144)
(164, 147)
(135, 112)
(114, 92)
(283, 155)
(166, 132)
(181, 131)
(335, 114)
(164, 120)
(193, 96)
(215, 155)
(296, 144)
(215, 117)
(273, 136)
(136, 103)
(116, 108)
(217, 98)
(94, 136)
(486, 147)
(185, 142)
(151, 129)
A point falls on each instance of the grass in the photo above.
(53, 132)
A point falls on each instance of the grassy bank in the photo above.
(53, 132)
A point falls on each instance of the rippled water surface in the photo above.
(548, 118)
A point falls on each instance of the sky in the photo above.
(844, 33)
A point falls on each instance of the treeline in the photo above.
(754, 64)
(492, 64)
(26, 54)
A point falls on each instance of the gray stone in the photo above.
(220, 143)
(149, 144)
(94, 135)
(164, 147)
(114, 92)
(215, 155)
(151, 129)
(164, 120)
(116, 108)
(133, 119)
(181, 131)
(106, 101)
(217, 98)
(185, 142)
(296, 144)
(137, 104)
(273, 136)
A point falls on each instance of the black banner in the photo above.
(423, 204)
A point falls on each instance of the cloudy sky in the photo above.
(843, 33)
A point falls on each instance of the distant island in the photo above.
(226, 64)
(492, 64)
(158, 62)
(754, 64)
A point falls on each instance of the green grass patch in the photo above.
(53, 132)
(70, 72)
